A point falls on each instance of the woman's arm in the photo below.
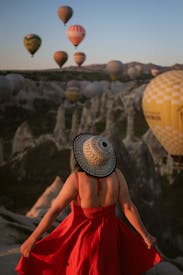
(66, 195)
(131, 211)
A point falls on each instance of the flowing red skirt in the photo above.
(90, 241)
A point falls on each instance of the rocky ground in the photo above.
(37, 127)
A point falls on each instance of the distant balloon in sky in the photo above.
(115, 68)
(60, 57)
(32, 42)
(65, 13)
(163, 109)
(76, 34)
(79, 58)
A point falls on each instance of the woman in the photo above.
(91, 240)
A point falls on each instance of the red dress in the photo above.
(90, 241)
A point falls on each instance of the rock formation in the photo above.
(36, 161)
(1, 152)
(23, 138)
(45, 200)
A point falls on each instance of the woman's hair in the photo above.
(76, 166)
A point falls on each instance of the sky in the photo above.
(146, 31)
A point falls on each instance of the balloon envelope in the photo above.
(114, 68)
(155, 71)
(65, 13)
(76, 34)
(163, 109)
(73, 83)
(32, 42)
(135, 71)
(79, 58)
(93, 89)
(72, 94)
(60, 57)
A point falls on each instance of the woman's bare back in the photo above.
(96, 192)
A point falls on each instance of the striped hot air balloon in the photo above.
(76, 34)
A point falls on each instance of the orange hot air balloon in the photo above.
(79, 58)
(163, 109)
(60, 57)
(76, 34)
(65, 13)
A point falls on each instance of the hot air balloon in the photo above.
(72, 94)
(32, 42)
(114, 68)
(93, 89)
(155, 71)
(135, 71)
(163, 109)
(74, 83)
(79, 58)
(76, 34)
(60, 57)
(65, 13)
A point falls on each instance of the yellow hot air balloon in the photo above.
(163, 109)
(32, 42)
(72, 94)
(65, 13)
(79, 58)
(60, 57)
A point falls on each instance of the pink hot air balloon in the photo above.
(155, 71)
(76, 34)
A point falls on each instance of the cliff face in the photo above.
(39, 123)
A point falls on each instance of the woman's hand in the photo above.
(27, 247)
(149, 240)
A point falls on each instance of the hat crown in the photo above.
(94, 154)
(97, 150)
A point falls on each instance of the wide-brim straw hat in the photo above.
(94, 154)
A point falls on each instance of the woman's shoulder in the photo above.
(120, 175)
(80, 174)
